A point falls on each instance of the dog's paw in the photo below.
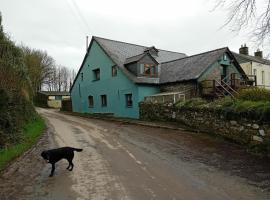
(51, 175)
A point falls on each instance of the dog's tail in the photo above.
(75, 149)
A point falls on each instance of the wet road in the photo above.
(123, 161)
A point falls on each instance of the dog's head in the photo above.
(45, 155)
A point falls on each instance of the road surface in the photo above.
(123, 161)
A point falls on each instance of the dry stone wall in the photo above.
(243, 129)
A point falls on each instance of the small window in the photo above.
(80, 94)
(114, 71)
(81, 76)
(90, 101)
(103, 100)
(96, 74)
(129, 100)
(225, 57)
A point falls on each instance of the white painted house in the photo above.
(255, 65)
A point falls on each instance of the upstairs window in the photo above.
(90, 101)
(129, 100)
(114, 71)
(150, 70)
(263, 78)
(103, 100)
(96, 73)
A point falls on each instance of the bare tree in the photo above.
(59, 79)
(65, 76)
(246, 13)
(39, 64)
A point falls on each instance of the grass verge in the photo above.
(31, 133)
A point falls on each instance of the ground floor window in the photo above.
(103, 100)
(90, 101)
(129, 100)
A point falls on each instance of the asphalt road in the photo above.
(123, 161)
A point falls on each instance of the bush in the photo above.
(254, 94)
(195, 102)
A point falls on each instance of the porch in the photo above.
(227, 86)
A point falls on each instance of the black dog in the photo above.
(54, 155)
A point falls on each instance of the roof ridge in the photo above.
(263, 59)
(135, 44)
(196, 55)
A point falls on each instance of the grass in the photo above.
(31, 133)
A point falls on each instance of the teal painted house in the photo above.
(115, 76)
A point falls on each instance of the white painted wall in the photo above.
(262, 71)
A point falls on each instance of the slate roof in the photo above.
(119, 51)
(174, 67)
(54, 93)
(139, 57)
(189, 68)
(247, 58)
(134, 58)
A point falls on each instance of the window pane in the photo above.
(96, 74)
(147, 70)
(90, 101)
(114, 71)
(129, 100)
(103, 100)
(150, 69)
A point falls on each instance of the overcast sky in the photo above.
(60, 26)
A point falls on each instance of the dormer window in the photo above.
(150, 70)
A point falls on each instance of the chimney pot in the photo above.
(243, 49)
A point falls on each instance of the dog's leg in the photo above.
(53, 168)
(70, 164)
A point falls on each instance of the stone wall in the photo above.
(189, 88)
(234, 126)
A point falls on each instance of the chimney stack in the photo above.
(258, 53)
(243, 50)
(86, 43)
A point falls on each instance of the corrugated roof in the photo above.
(189, 68)
(247, 58)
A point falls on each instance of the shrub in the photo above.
(195, 102)
(254, 94)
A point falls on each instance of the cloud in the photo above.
(60, 27)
